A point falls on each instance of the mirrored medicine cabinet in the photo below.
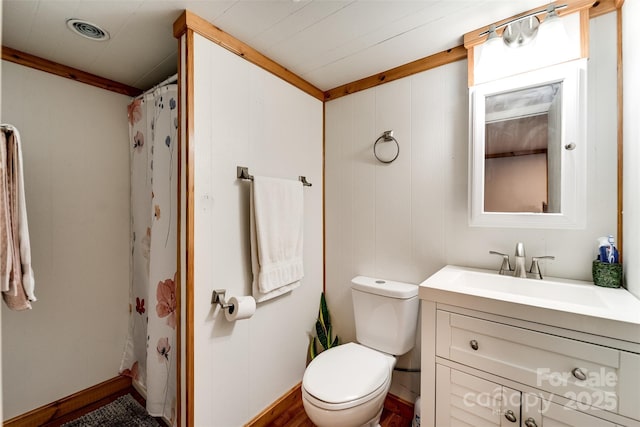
(528, 149)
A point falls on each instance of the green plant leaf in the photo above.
(336, 342)
(324, 312)
(329, 335)
(324, 330)
(322, 334)
(312, 348)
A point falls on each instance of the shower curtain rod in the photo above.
(167, 81)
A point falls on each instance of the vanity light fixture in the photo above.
(523, 29)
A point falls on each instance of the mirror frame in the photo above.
(573, 162)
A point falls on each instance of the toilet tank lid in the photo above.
(387, 288)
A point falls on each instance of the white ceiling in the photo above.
(326, 42)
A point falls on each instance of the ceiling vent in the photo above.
(87, 29)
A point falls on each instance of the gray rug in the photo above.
(124, 411)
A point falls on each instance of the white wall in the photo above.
(631, 130)
(76, 165)
(245, 116)
(406, 220)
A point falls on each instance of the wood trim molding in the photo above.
(180, 268)
(32, 61)
(620, 132)
(442, 58)
(324, 198)
(584, 33)
(277, 408)
(209, 31)
(602, 7)
(69, 404)
(189, 165)
(471, 60)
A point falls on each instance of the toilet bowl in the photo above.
(346, 386)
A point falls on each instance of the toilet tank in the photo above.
(386, 314)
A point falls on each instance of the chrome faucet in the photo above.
(520, 270)
(520, 259)
(505, 267)
(534, 271)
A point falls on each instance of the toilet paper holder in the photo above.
(218, 298)
(234, 308)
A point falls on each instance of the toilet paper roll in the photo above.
(241, 308)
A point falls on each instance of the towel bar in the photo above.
(243, 173)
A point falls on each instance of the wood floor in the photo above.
(295, 416)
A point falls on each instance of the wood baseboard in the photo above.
(293, 397)
(62, 408)
(277, 408)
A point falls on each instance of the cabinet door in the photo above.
(537, 412)
(561, 416)
(510, 407)
(531, 409)
(463, 400)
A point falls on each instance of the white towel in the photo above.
(21, 282)
(276, 236)
(25, 242)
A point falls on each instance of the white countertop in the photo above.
(573, 304)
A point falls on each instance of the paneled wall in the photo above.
(245, 116)
(631, 55)
(76, 167)
(407, 219)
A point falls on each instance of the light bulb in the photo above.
(491, 49)
(552, 35)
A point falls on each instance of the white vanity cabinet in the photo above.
(495, 360)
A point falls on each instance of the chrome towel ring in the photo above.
(387, 136)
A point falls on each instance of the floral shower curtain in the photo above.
(150, 352)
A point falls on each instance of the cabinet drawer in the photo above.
(590, 374)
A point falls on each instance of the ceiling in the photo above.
(327, 42)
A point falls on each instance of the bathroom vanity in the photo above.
(505, 351)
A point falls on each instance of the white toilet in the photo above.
(346, 386)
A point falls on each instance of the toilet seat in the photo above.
(347, 376)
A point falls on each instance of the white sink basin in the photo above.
(571, 296)
(498, 285)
